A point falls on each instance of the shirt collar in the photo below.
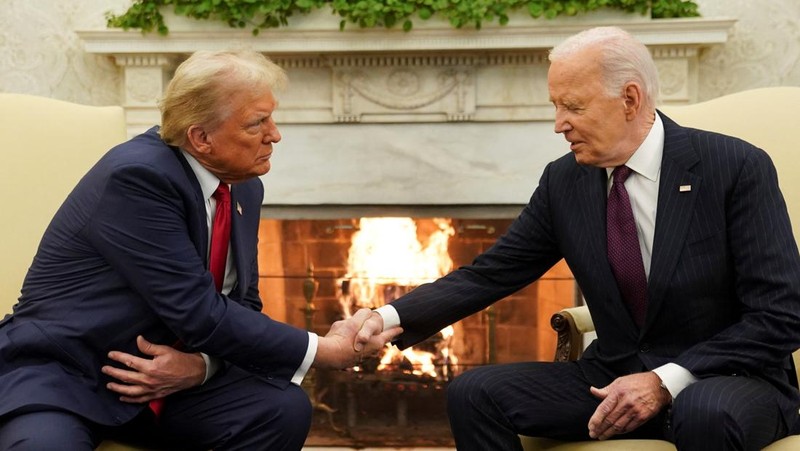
(208, 181)
(646, 160)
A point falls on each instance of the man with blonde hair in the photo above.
(140, 316)
(681, 243)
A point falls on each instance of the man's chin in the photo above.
(263, 168)
(581, 158)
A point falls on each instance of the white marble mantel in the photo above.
(462, 115)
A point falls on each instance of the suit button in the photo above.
(644, 348)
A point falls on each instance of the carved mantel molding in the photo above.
(432, 74)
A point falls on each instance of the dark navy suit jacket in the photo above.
(126, 255)
(724, 285)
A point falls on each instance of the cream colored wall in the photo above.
(40, 53)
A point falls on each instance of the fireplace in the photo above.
(310, 277)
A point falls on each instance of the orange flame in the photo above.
(387, 253)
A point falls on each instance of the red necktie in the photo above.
(220, 238)
(220, 235)
(624, 253)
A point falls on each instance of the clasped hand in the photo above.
(626, 404)
(144, 379)
(351, 340)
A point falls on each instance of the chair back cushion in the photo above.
(47, 145)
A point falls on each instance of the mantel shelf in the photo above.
(320, 40)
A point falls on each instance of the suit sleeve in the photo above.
(525, 252)
(140, 227)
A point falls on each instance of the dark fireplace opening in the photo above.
(310, 276)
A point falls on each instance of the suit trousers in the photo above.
(489, 406)
(233, 411)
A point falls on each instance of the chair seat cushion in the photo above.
(791, 443)
(541, 444)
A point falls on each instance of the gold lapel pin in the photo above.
(239, 208)
(681, 189)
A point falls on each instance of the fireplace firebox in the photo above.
(316, 271)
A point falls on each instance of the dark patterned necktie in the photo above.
(624, 253)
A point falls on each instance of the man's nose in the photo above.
(273, 135)
(561, 125)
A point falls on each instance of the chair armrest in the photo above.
(570, 324)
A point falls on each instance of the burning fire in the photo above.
(423, 363)
(387, 259)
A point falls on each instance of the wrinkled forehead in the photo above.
(574, 72)
(244, 97)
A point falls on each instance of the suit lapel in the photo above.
(200, 238)
(237, 232)
(589, 192)
(677, 194)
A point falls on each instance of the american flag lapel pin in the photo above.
(684, 188)
(239, 208)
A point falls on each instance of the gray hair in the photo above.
(199, 92)
(623, 59)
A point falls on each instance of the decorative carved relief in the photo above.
(143, 85)
(146, 60)
(379, 94)
(673, 77)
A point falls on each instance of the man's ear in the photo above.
(198, 138)
(633, 96)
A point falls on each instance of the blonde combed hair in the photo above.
(201, 89)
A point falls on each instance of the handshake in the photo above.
(351, 340)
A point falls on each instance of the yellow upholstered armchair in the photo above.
(47, 145)
(764, 117)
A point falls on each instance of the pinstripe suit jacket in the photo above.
(724, 286)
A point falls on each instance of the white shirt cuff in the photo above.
(675, 378)
(212, 365)
(311, 353)
(390, 316)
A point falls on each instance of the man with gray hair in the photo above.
(681, 243)
(140, 317)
